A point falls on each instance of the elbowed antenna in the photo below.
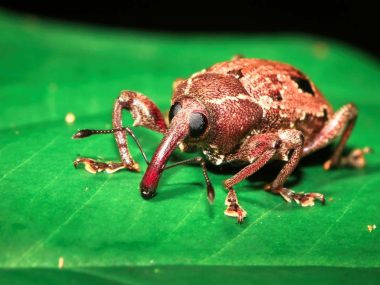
(87, 132)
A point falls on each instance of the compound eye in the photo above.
(174, 109)
(198, 125)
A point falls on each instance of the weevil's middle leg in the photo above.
(258, 151)
(233, 207)
(294, 143)
(144, 112)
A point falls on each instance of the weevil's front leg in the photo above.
(341, 124)
(144, 112)
(94, 166)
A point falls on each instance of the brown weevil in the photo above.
(249, 111)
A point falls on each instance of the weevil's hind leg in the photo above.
(355, 159)
(341, 124)
(145, 113)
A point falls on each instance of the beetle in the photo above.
(249, 111)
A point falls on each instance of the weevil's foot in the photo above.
(233, 207)
(328, 165)
(355, 159)
(93, 166)
(237, 212)
(303, 199)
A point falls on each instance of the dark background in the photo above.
(354, 22)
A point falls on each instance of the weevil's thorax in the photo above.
(231, 116)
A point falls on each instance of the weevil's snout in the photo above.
(188, 121)
(176, 133)
(147, 192)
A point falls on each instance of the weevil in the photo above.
(248, 111)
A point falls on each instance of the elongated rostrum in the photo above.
(247, 111)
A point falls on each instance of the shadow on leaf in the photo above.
(172, 191)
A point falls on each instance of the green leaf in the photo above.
(100, 226)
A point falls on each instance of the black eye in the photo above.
(198, 124)
(174, 109)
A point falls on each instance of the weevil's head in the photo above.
(188, 122)
(210, 111)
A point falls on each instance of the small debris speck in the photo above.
(331, 199)
(70, 118)
(61, 262)
(371, 228)
(321, 50)
(156, 270)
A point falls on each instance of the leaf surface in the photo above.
(99, 224)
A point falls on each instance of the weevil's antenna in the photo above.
(201, 161)
(87, 132)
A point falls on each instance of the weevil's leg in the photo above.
(201, 161)
(233, 207)
(341, 124)
(292, 145)
(94, 166)
(145, 113)
(258, 150)
(356, 158)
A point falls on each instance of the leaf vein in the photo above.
(39, 244)
(28, 159)
(228, 244)
(346, 209)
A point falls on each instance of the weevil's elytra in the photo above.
(248, 111)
